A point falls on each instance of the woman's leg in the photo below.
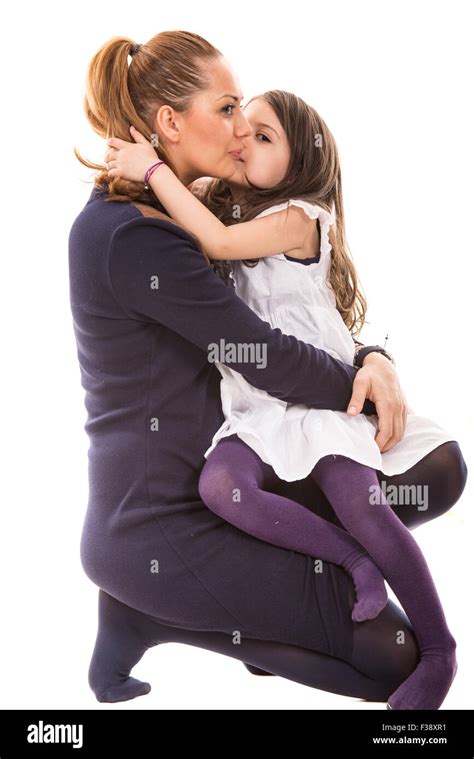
(372, 672)
(442, 474)
(387, 640)
(355, 494)
(234, 484)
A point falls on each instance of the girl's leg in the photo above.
(443, 473)
(372, 673)
(355, 495)
(232, 484)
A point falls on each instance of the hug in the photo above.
(256, 470)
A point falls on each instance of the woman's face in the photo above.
(266, 155)
(207, 139)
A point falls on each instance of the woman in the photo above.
(147, 307)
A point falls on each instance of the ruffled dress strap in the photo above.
(314, 211)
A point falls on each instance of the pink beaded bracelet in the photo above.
(150, 172)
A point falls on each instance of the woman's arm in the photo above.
(158, 275)
(278, 232)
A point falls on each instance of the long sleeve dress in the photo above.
(146, 306)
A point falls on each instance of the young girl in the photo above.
(288, 178)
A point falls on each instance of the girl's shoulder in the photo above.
(313, 210)
(200, 186)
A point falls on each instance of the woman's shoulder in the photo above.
(108, 214)
(163, 221)
(148, 211)
(123, 233)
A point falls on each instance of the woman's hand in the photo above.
(378, 381)
(130, 160)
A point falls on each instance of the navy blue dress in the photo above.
(146, 305)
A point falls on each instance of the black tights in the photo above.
(377, 665)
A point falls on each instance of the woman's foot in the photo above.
(370, 589)
(124, 691)
(428, 684)
(123, 636)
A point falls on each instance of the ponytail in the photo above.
(169, 69)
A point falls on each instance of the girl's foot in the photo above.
(428, 684)
(370, 589)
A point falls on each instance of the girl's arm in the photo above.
(278, 232)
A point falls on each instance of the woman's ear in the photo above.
(167, 123)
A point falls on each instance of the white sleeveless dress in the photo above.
(291, 438)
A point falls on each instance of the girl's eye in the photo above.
(265, 138)
(226, 107)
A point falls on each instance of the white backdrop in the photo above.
(392, 80)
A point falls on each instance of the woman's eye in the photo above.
(226, 107)
(265, 138)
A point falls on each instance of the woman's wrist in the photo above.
(362, 352)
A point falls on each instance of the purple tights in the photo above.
(371, 545)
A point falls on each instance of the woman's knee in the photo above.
(447, 477)
(443, 473)
(455, 469)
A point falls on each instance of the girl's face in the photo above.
(207, 139)
(266, 155)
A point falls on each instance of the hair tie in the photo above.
(135, 48)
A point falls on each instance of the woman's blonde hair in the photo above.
(169, 69)
(314, 174)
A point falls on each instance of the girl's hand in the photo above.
(130, 160)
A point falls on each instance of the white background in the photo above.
(394, 83)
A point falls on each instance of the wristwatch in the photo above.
(361, 351)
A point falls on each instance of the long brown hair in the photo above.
(169, 69)
(314, 174)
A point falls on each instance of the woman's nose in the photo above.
(242, 126)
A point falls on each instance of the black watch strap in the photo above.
(363, 352)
